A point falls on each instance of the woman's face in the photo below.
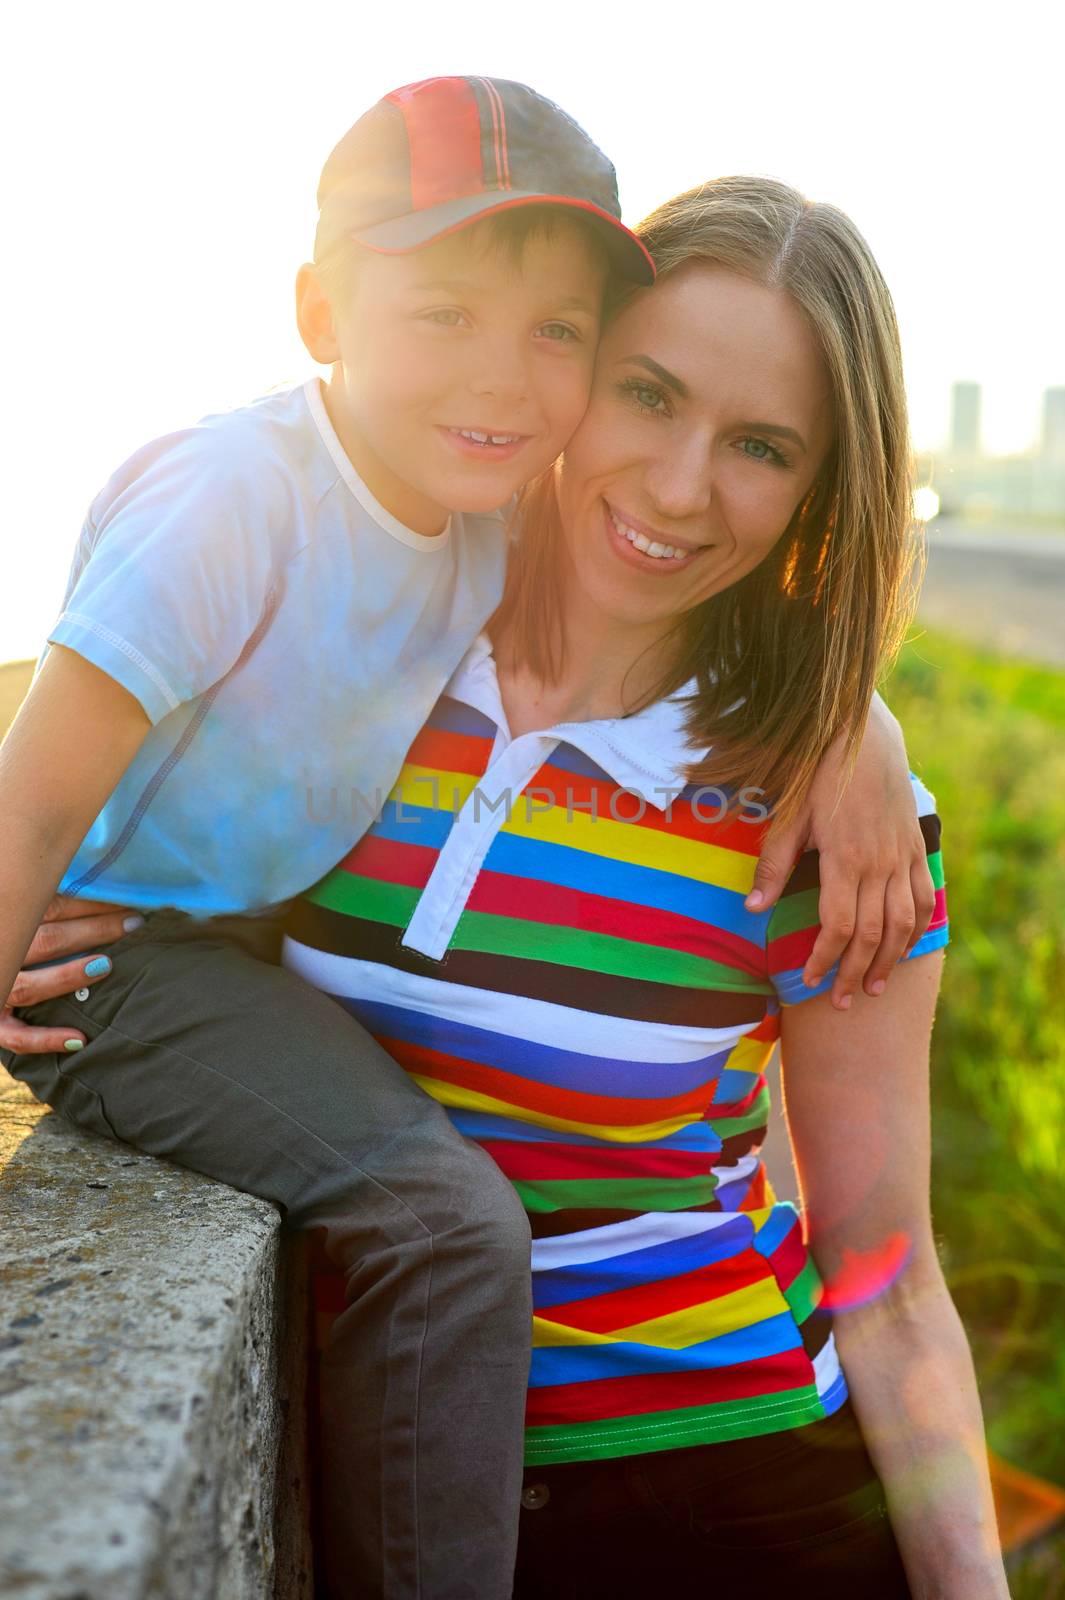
(709, 420)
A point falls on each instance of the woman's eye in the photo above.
(762, 450)
(647, 396)
(556, 332)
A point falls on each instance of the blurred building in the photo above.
(973, 485)
(1054, 425)
(965, 419)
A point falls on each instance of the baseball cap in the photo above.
(436, 156)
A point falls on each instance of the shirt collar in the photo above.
(389, 524)
(648, 753)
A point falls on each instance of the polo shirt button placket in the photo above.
(459, 862)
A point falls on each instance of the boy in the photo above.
(263, 610)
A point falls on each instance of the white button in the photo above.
(535, 1496)
(81, 994)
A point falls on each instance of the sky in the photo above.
(161, 163)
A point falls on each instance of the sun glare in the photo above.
(925, 503)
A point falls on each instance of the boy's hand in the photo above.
(69, 924)
(877, 896)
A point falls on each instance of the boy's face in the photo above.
(456, 340)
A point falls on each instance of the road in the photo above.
(1001, 588)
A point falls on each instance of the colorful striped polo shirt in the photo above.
(548, 932)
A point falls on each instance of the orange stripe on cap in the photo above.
(499, 132)
(443, 125)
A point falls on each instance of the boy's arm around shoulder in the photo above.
(75, 734)
(877, 896)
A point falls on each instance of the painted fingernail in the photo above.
(93, 969)
(754, 900)
(131, 924)
(879, 986)
(74, 1044)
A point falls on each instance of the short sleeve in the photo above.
(794, 925)
(172, 572)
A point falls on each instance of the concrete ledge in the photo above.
(152, 1355)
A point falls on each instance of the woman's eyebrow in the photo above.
(778, 431)
(670, 379)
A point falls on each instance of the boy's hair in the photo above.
(504, 234)
(789, 656)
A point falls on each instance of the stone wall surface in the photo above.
(152, 1349)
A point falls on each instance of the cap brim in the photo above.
(419, 228)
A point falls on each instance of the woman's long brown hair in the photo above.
(787, 658)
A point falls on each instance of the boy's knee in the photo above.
(502, 1218)
(475, 1195)
(484, 1250)
(429, 1184)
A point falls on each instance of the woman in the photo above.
(546, 928)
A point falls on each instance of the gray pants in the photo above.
(203, 1052)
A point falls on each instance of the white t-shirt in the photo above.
(286, 636)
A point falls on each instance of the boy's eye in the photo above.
(445, 317)
(556, 332)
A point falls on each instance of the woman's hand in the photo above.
(68, 925)
(877, 896)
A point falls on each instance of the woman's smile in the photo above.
(645, 548)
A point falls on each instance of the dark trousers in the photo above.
(792, 1514)
(202, 1052)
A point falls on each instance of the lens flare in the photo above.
(865, 1274)
(925, 503)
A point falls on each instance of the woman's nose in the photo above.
(680, 478)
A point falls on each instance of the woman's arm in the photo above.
(876, 895)
(75, 735)
(857, 1103)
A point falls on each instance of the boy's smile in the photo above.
(460, 370)
(483, 442)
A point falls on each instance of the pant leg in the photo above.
(223, 1063)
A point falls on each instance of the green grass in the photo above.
(986, 735)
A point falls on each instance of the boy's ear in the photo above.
(314, 317)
